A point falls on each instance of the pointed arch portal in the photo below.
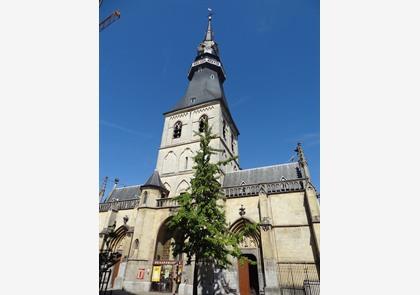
(166, 267)
(117, 244)
(250, 276)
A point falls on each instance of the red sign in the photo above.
(140, 274)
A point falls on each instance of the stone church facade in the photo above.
(286, 250)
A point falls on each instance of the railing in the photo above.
(229, 192)
(119, 205)
(299, 279)
(166, 202)
(269, 188)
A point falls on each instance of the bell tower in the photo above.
(204, 100)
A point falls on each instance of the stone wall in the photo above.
(286, 257)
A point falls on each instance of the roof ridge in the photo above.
(262, 167)
(129, 186)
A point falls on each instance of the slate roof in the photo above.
(154, 181)
(133, 192)
(263, 174)
(202, 88)
(124, 193)
(206, 79)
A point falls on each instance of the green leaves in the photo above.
(201, 220)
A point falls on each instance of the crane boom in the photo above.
(109, 20)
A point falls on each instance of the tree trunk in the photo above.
(195, 277)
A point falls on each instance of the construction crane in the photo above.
(109, 19)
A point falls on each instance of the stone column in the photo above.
(313, 212)
(268, 247)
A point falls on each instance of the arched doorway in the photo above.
(167, 268)
(250, 270)
(248, 275)
(118, 244)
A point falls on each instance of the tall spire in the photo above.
(206, 75)
(208, 45)
(209, 33)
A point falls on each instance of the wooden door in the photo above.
(243, 269)
(115, 272)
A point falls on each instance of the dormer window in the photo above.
(177, 129)
(202, 122)
(193, 99)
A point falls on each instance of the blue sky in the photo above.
(270, 52)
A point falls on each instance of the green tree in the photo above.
(201, 217)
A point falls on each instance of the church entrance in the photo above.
(167, 269)
(248, 275)
(115, 272)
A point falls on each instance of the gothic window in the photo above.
(224, 129)
(203, 120)
(182, 187)
(167, 186)
(185, 160)
(177, 129)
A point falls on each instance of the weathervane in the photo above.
(210, 12)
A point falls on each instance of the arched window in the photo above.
(232, 141)
(145, 197)
(177, 129)
(224, 129)
(203, 120)
(136, 244)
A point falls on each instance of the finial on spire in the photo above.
(209, 33)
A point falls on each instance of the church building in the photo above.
(281, 198)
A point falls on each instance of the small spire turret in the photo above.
(302, 161)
